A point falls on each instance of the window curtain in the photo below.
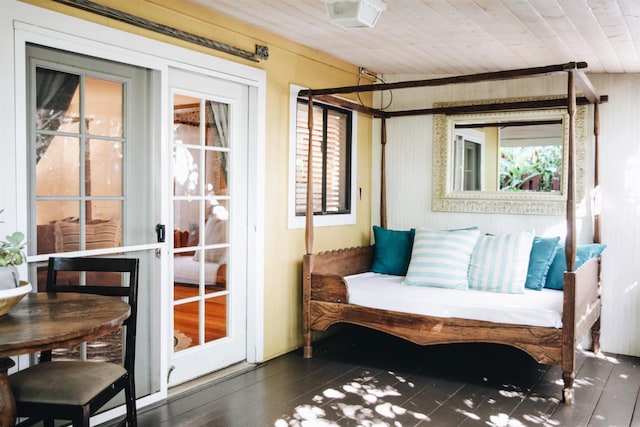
(54, 92)
(218, 114)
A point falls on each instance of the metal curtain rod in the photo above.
(262, 52)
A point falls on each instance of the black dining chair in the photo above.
(75, 389)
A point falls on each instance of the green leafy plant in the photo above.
(12, 249)
(522, 166)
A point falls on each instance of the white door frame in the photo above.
(29, 24)
(225, 351)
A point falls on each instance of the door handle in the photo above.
(160, 233)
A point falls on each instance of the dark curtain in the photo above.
(54, 91)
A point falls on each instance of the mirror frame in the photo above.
(444, 199)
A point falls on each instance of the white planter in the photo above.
(9, 277)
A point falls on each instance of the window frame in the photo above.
(299, 221)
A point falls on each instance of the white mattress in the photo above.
(534, 308)
(186, 271)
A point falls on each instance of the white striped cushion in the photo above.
(500, 263)
(441, 258)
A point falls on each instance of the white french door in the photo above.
(209, 224)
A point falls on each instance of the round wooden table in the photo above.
(46, 321)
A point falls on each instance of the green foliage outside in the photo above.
(523, 167)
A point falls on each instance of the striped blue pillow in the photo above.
(500, 263)
(441, 258)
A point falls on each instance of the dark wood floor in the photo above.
(362, 378)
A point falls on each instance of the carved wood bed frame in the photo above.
(325, 299)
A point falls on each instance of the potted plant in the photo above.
(11, 254)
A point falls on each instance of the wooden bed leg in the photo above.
(567, 391)
(307, 352)
(307, 267)
(595, 337)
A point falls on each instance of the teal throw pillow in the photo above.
(392, 250)
(555, 278)
(542, 255)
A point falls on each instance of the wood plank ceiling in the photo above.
(454, 37)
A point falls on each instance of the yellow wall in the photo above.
(491, 158)
(288, 63)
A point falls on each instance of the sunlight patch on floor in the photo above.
(364, 399)
(503, 420)
(378, 401)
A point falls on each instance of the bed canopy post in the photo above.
(307, 265)
(308, 231)
(569, 294)
(597, 237)
(570, 246)
(383, 175)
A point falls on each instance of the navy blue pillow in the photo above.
(543, 252)
(555, 278)
(392, 251)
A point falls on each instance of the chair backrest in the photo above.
(103, 276)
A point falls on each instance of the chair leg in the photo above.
(83, 419)
(130, 401)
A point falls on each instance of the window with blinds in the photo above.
(331, 159)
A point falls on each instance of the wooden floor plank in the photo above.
(621, 391)
(542, 401)
(262, 397)
(506, 397)
(308, 399)
(588, 387)
(379, 399)
(280, 370)
(635, 421)
(360, 378)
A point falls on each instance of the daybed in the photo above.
(326, 296)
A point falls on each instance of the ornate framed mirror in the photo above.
(507, 161)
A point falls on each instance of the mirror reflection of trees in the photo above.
(530, 168)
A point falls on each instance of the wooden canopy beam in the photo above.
(498, 106)
(468, 78)
(460, 109)
(585, 87)
(345, 103)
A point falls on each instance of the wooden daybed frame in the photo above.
(325, 300)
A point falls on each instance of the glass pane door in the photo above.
(201, 220)
(91, 184)
(209, 195)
